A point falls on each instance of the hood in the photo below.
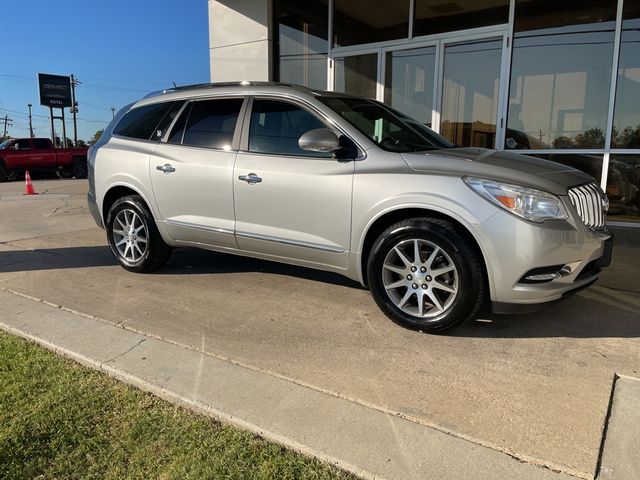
(507, 167)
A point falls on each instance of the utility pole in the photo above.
(113, 112)
(30, 123)
(6, 121)
(74, 107)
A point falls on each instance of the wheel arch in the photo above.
(116, 192)
(390, 217)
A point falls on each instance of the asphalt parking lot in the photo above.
(536, 386)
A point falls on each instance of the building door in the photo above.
(470, 92)
(453, 86)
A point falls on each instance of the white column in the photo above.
(240, 40)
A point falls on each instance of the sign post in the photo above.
(55, 92)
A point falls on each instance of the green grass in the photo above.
(59, 420)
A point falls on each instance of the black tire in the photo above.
(5, 176)
(155, 253)
(467, 277)
(65, 173)
(79, 168)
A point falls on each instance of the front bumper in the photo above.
(514, 247)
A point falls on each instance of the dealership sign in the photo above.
(55, 90)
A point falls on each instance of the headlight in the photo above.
(528, 203)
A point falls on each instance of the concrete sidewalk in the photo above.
(364, 440)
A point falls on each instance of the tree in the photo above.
(96, 137)
(69, 143)
(81, 143)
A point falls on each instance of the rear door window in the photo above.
(208, 123)
(143, 122)
(41, 144)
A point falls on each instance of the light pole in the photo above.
(113, 112)
(30, 123)
(74, 107)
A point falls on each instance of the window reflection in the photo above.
(357, 75)
(626, 120)
(364, 21)
(560, 74)
(437, 16)
(470, 93)
(623, 187)
(409, 80)
(302, 42)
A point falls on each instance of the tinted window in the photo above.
(166, 121)
(178, 128)
(211, 123)
(141, 122)
(41, 144)
(23, 144)
(277, 126)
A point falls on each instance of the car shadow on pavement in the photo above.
(183, 261)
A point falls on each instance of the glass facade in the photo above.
(546, 82)
(626, 120)
(409, 82)
(560, 75)
(357, 75)
(470, 93)
(436, 16)
(623, 188)
(301, 42)
(356, 22)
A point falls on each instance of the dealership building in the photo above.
(554, 79)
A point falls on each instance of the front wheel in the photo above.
(133, 236)
(424, 275)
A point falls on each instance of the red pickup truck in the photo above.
(39, 154)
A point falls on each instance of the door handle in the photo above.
(251, 179)
(166, 168)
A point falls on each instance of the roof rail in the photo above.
(223, 84)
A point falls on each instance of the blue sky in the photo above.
(119, 50)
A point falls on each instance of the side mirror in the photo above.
(319, 140)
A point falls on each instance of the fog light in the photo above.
(546, 274)
(542, 277)
(542, 274)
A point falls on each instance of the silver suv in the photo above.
(349, 185)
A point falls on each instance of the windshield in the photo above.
(4, 144)
(388, 128)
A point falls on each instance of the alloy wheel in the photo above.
(420, 278)
(130, 236)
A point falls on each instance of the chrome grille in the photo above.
(590, 203)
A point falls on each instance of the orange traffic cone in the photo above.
(28, 186)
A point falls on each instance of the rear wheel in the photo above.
(79, 168)
(133, 236)
(424, 275)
